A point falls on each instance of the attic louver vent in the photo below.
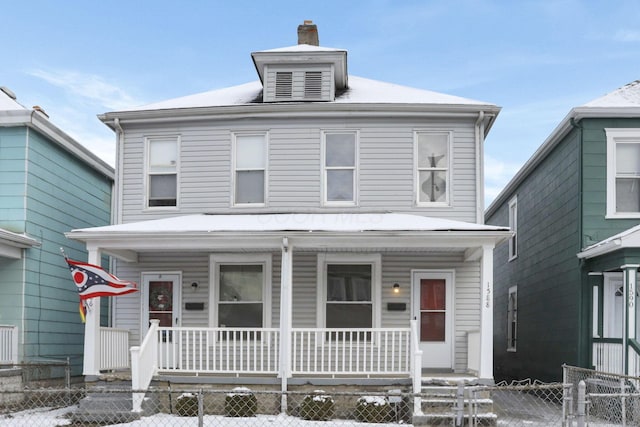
(313, 85)
(284, 84)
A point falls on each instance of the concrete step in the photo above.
(482, 419)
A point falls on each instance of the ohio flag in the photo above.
(92, 281)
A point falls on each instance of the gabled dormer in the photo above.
(305, 72)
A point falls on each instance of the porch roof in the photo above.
(629, 238)
(301, 230)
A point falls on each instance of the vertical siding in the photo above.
(386, 175)
(546, 271)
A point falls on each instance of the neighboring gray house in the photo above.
(311, 224)
(49, 184)
(566, 283)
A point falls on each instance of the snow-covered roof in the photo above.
(629, 238)
(626, 96)
(360, 91)
(307, 222)
(7, 103)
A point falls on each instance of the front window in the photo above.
(340, 164)
(512, 319)
(250, 156)
(162, 172)
(241, 290)
(432, 167)
(513, 225)
(623, 173)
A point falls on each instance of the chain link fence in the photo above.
(611, 399)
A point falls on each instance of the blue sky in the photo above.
(535, 59)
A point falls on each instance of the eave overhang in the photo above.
(12, 244)
(628, 239)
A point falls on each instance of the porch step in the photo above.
(439, 403)
(110, 403)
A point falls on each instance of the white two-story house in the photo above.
(307, 224)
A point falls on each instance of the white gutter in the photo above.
(116, 214)
(480, 168)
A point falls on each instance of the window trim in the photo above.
(345, 258)
(215, 260)
(355, 168)
(416, 169)
(235, 135)
(148, 173)
(512, 313)
(614, 136)
(513, 226)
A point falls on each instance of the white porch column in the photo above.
(630, 272)
(286, 280)
(92, 348)
(486, 314)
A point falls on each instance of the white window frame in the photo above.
(513, 225)
(355, 168)
(512, 318)
(617, 136)
(148, 170)
(234, 169)
(215, 260)
(345, 258)
(417, 169)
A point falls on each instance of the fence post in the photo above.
(200, 409)
(582, 403)
(459, 404)
(623, 401)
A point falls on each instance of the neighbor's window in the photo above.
(240, 295)
(250, 154)
(162, 169)
(513, 225)
(432, 167)
(512, 319)
(623, 173)
(340, 167)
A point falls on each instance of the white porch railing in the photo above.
(115, 349)
(608, 357)
(8, 344)
(144, 366)
(219, 350)
(351, 351)
(634, 362)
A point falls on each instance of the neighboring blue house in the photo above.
(49, 184)
(565, 284)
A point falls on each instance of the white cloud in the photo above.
(497, 174)
(625, 35)
(90, 87)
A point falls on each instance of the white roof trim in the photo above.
(11, 244)
(629, 238)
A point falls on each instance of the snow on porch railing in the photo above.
(115, 349)
(219, 350)
(607, 357)
(365, 351)
(8, 344)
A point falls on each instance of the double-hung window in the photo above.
(162, 171)
(513, 225)
(250, 169)
(512, 319)
(623, 173)
(241, 290)
(350, 287)
(432, 167)
(340, 150)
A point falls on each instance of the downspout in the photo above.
(479, 129)
(116, 203)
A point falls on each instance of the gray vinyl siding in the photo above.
(386, 166)
(396, 268)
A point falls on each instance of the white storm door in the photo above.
(161, 300)
(433, 309)
(613, 310)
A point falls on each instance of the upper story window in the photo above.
(513, 225)
(623, 173)
(162, 171)
(340, 167)
(250, 167)
(432, 167)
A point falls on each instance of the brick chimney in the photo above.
(308, 33)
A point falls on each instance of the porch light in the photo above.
(194, 285)
(396, 288)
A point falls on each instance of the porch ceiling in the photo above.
(313, 232)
